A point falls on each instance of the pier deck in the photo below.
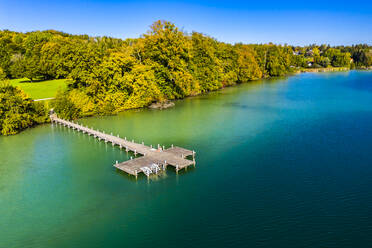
(152, 160)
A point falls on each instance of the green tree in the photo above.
(17, 111)
(206, 66)
(168, 50)
(64, 107)
(337, 58)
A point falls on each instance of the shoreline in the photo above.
(171, 103)
(328, 69)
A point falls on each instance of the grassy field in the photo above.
(42, 89)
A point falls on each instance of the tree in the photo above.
(17, 111)
(64, 107)
(141, 87)
(2, 74)
(33, 45)
(18, 66)
(337, 58)
(324, 61)
(248, 68)
(228, 58)
(206, 66)
(168, 50)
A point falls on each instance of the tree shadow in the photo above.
(26, 80)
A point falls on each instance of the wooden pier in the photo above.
(153, 159)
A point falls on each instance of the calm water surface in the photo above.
(284, 163)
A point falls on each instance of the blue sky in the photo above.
(292, 22)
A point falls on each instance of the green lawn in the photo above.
(42, 89)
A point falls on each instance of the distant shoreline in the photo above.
(328, 69)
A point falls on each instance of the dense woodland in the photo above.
(110, 75)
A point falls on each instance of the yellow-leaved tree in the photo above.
(248, 68)
(141, 87)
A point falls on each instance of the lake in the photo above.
(279, 163)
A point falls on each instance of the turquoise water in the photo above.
(280, 163)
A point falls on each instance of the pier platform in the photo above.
(153, 159)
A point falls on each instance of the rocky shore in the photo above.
(161, 105)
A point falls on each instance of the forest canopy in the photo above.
(109, 75)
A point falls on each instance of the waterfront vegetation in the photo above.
(108, 75)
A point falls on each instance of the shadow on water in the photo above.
(170, 171)
(129, 177)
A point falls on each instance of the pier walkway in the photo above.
(152, 161)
